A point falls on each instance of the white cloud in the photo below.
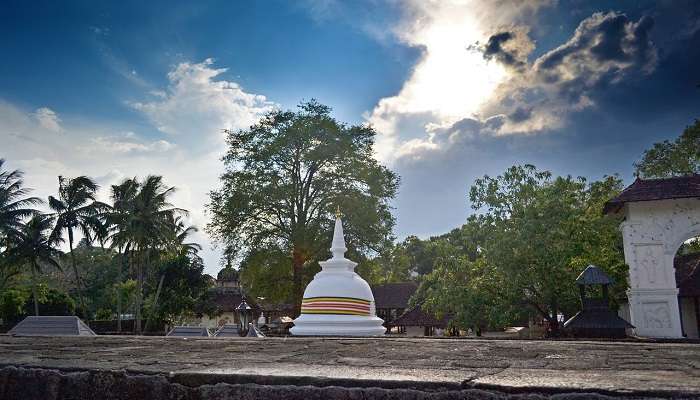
(185, 148)
(196, 106)
(449, 82)
(474, 71)
(128, 145)
(48, 119)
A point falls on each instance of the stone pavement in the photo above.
(428, 366)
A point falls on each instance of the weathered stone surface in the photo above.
(343, 368)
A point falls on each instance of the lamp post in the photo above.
(245, 316)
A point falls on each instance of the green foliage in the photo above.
(184, 286)
(533, 236)
(666, 159)
(267, 273)
(75, 209)
(284, 178)
(34, 245)
(51, 302)
(17, 303)
(143, 224)
(15, 206)
(99, 269)
(12, 303)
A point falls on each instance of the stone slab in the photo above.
(627, 369)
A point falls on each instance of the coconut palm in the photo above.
(142, 221)
(115, 221)
(34, 245)
(180, 244)
(76, 209)
(14, 205)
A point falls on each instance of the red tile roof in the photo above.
(393, 295)
(681, 187)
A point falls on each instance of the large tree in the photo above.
(666, 159)
(286, 175)
(532, 235)
(76, 209)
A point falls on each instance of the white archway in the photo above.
(652, 233)
(660, 214)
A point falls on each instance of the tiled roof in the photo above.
(417, 317)
(593, 275)
(681, 187)
(393, 295)
(688, 274)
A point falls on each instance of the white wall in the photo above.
(652, 232)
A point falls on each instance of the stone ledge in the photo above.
(48, 384)
(453, 367)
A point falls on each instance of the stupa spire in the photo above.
(338, 248)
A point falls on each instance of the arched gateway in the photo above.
(660, 215)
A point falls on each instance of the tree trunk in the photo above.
(139, 294)
(119, 292)
(297, 273)
(77, 276)
(36, 300)
(155, 302)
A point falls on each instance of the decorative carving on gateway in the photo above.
(647, 257)
(657, 315)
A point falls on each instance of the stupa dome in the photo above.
(228, 274)
(338, 302)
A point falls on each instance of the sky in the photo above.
(455, 89)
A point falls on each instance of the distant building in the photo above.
(416, 322)
(391, 300)
(227, 295)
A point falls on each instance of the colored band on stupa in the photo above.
(335, 306)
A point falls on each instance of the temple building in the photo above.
(226, 295)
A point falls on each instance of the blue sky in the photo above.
(456, 89)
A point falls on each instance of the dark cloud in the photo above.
(602, 44)
(494, 50)
(605, 49)
(509, 48)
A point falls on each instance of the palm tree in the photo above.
(141, 223)
(179, 245)
(116, 224)
(14, 205)
(35, 244)
(76, 209)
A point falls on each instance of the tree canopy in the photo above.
(286, 175)
(520, 254)
(666, 159)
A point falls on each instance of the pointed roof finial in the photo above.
(338, 246)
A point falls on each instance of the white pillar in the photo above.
(653, 296)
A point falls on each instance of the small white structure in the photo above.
(660, 215)
(338, 302)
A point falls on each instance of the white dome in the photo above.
(338, 302)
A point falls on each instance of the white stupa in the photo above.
(338, 302)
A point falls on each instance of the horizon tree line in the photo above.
(140, 225)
